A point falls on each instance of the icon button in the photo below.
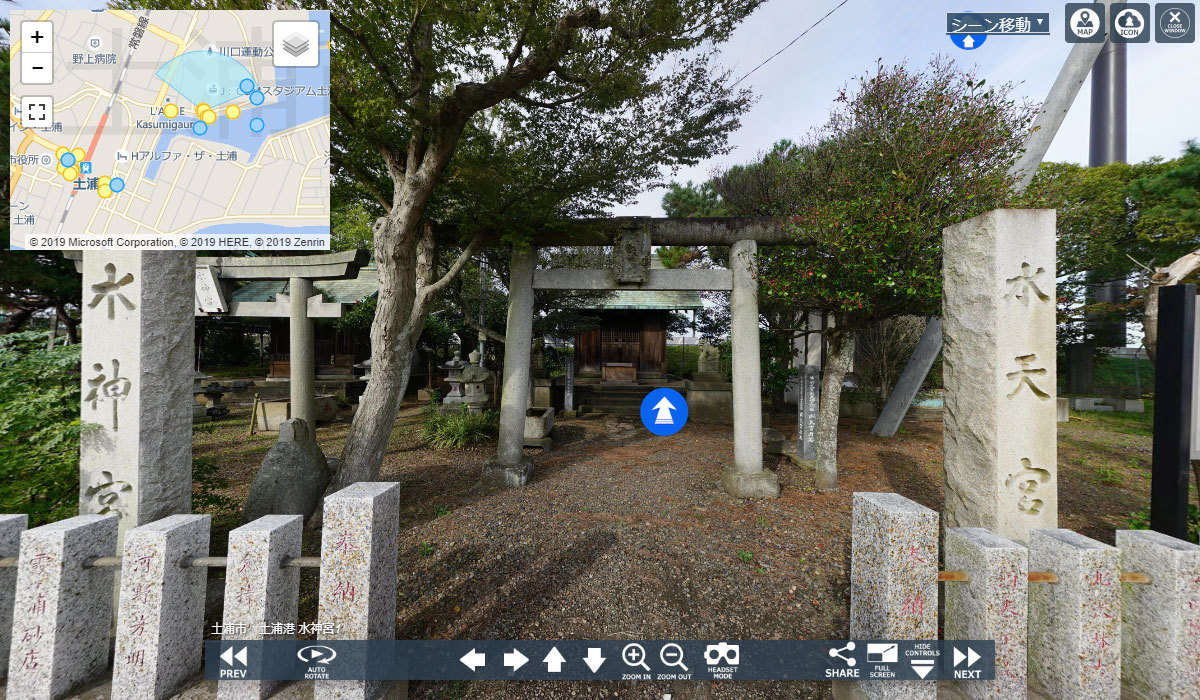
(37, 37)
(921, 667)
(970, 657)
(554, 661)
(515, 659)
(37, 68)
(1175, 23)
(672, 655)
(474, 660)
(634, 654)
(1085, 23)
(837, 653)
(37, 111)
(1130, 23)
(722, 653)
(595, 658)
(229, 656)
(296, 43)
(883, 653)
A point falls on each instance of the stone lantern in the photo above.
(474, 380)
(454, 370)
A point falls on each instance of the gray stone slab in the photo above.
(1063, 410)
(1160, 621)
(808, 409)
(63, 611)
(259, 591)
(893, 580)
(1000, 431)
(1075, 624)
(358, 572)
(11, 527)
(991, 605)
(137, 361)
(160, 613)
(1128, 405)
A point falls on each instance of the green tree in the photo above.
(39, 427)
(1116, 222)
(690, 200)
(904, 153)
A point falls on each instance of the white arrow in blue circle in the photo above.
(664, 408)
(664, 411)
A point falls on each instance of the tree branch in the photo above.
(462, 259)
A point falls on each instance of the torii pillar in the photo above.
(300, 306)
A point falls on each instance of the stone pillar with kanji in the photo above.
(1000, 430)
(135, 460)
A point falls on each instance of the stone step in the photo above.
(611, 410)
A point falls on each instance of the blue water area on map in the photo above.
(261, 230)
(204, 76)
(282, 111)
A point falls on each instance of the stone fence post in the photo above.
(358, 572)
(63, 610)
(893, 580)
(991, 604)
(1160, 621)
(1075, 624)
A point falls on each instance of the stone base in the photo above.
(764, 484)
(781, 447)
(710, 377)
(1128, 405)
(507, 475)
(801, 462)
(545, 443)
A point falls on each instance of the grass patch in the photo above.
(1117, 422)
(445, 430)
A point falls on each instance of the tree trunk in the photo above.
(392, 344)
(16, 320)
(1161, 277)
(839, 359)
(72, 324)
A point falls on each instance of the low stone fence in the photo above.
(57, 583)
(1072, 618)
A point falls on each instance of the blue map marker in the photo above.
(664, 411)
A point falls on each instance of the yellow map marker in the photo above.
(171, 111)
(104, 180)
(202, 108)
(208, 116)
(233, 111)
(105, 191)
(79, 154)
(58, 154)
(60, 168)
(70, 173)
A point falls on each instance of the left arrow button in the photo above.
(474, 660)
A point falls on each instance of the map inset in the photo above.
(163, 129)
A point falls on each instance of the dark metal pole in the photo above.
(1173, 379)
(1107, 145)
(1108, 128)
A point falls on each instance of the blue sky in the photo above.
(796, 89)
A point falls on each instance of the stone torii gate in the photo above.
(300, 306)
(632, 238)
